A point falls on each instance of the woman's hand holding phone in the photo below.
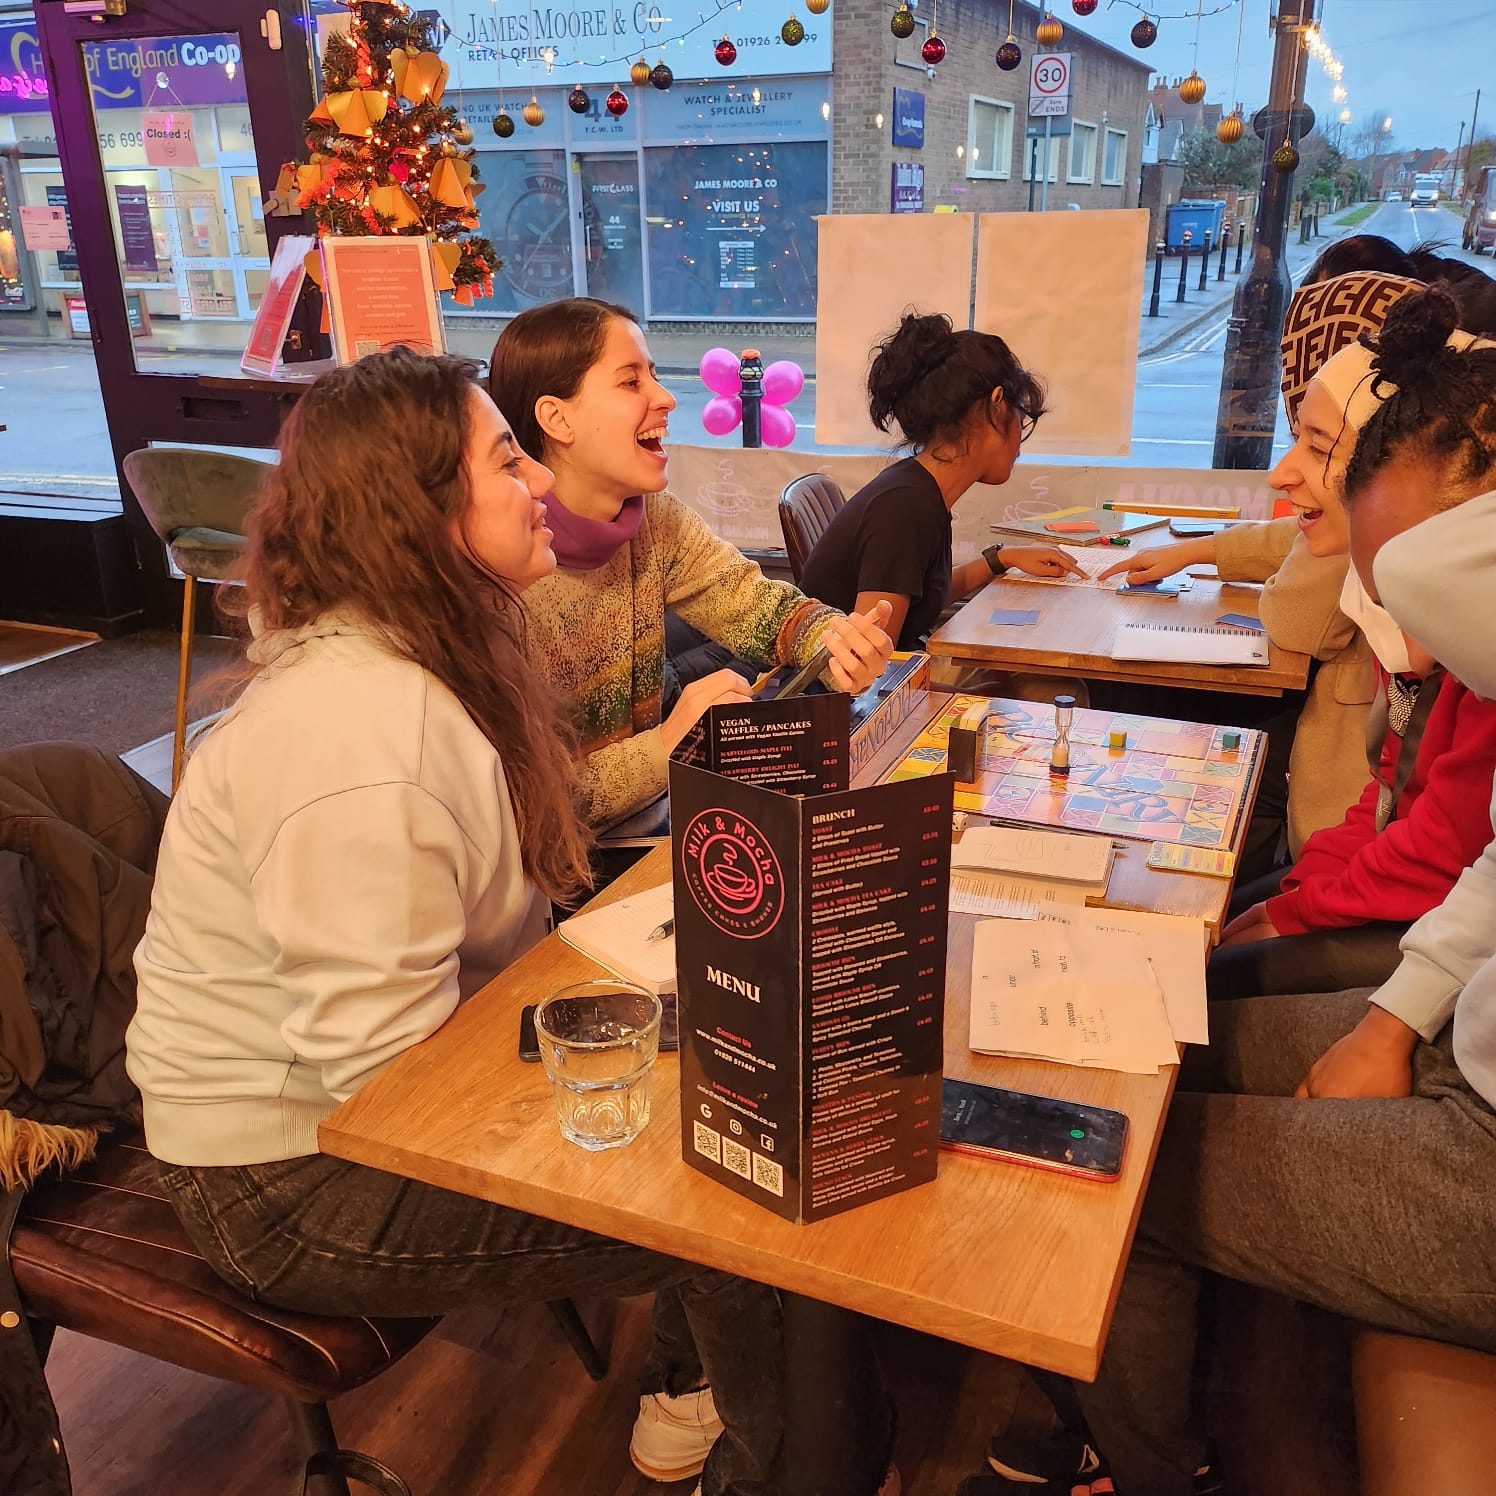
(859, 648)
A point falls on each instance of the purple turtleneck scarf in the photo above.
(585, 544)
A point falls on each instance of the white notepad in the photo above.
(1035, 853)
(617, 937)
(1185, 644)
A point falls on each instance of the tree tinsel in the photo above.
(384, 158)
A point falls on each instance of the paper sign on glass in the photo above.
(169, 140)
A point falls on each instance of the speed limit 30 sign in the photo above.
(1049, 85)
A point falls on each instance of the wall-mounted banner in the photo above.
(907, 194)
(532, 43)
(908, 117)
(165, 72)
(726, 109)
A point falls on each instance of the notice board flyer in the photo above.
(811, 939)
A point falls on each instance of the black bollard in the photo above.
(1158, 277)
(1184, 265)
(1204, 260)
(1241, 240)
(1225, 240)
(751, 369)
(1316, 218)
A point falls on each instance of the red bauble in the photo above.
(1083, 7)
(933, 50)
(617, 102)
(726, 53)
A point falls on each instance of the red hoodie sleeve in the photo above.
(1405, 871)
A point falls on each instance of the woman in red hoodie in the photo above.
(1338, 915)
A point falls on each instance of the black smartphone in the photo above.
(1065, 1136)
(529, 1043)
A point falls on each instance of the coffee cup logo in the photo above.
(732, 873)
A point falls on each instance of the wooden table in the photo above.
(1132, 884)
(1010, 1260)
(1075, 627)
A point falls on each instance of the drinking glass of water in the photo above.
(598, 1041)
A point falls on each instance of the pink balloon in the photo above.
(783, 381)
(719, 372)
(722, 415)
(776, 424)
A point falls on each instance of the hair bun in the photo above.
(1418, 326)
(915, 350)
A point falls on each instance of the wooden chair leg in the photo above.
(564, 1312)
(184, 680)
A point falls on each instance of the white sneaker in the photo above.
(673, 1435)
(892, 1485)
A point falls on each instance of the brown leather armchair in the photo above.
(1424, 1416)
(806, 508)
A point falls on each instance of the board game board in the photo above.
(1172, 782)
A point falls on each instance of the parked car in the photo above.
(1480, 214)
(1394, 196)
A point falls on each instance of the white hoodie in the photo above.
(1437, 580)
(340, 869)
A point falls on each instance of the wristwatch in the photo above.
(993, 557)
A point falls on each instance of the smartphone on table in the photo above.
(1042, 1132)
(529, 1040)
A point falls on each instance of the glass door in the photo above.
(611, 227)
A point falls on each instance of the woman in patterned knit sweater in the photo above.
(576, 379)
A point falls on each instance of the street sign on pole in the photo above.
(1049, 85)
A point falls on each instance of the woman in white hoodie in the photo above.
(369, 834)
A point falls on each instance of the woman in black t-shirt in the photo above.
(964, 403)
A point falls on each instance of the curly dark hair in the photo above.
(1442, 407)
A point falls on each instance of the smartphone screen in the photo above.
(1040, 1131)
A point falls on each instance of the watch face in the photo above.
(537, 240)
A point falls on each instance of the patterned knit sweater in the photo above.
(599, 638)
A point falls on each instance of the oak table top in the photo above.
(1011, 1260)
(1076, 624)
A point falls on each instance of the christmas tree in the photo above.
(387, 154)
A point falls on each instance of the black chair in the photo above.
(806, 508)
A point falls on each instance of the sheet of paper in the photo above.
(1035, 853)
(1092, 560)
(1176, 948)
(1003, 896)
(1060, 989)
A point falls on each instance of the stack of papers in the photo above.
(1106, 988)
(1004, 896)
(1063, 856)
(617, 937)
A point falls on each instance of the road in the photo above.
(57, 440)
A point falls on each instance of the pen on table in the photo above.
(661, 931)
(1013, 825)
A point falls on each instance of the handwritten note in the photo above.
(1035, 853)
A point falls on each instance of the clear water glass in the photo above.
(598, 1042)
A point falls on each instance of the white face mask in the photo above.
(1384, 636)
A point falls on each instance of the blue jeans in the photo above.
(325, 1236)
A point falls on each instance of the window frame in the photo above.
(1120, 180)
(1001, 168)
(1090, 177)
(1055, 142)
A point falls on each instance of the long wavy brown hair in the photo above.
(355, 517)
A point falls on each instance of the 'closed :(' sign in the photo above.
(169, 140)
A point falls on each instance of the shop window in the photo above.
(1082, 164)
(732, 229)
(1114, 162)
(989, 138)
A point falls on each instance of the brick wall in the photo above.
(1106, 84)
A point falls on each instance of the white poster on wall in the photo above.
(1065, 291)
(871, 268)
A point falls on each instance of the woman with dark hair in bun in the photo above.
(964, 403)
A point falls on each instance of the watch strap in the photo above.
(993, 557)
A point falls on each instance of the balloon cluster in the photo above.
(721, 372)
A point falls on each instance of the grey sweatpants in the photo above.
(1381, 1210)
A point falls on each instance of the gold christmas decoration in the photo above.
(639, 73)
(396, 203)
(1050, 32)
(1192, 89)
(818, 7)
(462, 132)
(1229, 131)
(533, 113)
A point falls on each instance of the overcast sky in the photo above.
(1419, 61)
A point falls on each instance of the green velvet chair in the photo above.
(195, 499)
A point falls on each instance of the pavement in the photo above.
(678, 349)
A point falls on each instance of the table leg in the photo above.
(839, 1425)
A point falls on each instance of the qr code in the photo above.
(708, 1142)
(768, 1175)
(736, 1157)
(363, 347)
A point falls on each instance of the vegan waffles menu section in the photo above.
(810, 938)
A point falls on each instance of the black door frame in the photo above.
(190, 409)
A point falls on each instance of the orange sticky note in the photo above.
(1074, 527)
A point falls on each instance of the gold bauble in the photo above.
(1228, 132)
(447, 148)
(534, 114)
(639, 73)
(818, 7)
(1192, 89)
(1050, 32)
(462, 132)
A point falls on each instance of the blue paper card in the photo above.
(1169, 588)
(1015, 615)
(1241, 621)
